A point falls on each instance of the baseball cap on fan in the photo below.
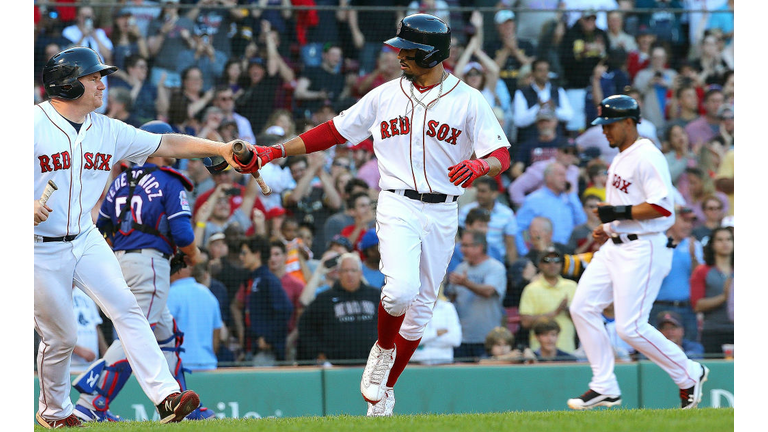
(215, 237)
(341, 241)
(503, 16)
(473, 65)
(545, 114)
(668, 317)
(590, 13)
(370, 238)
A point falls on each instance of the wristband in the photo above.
(611, 213)
(200, 224)
(282, 150)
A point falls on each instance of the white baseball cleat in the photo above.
(591, 399)
(384, 407)
(374, 381)
(690, 397)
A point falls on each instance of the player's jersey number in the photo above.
(136, 206)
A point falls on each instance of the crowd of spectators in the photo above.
(295, 274)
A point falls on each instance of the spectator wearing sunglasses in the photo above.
(549, 295)
(713, 208)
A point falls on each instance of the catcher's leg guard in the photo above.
(104, 382)
(171, 347)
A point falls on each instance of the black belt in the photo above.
(677, 304)
(431, 198)
(164, 255)
(632, 237)
(629, 238)
(67, 238)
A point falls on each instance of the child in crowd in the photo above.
(546, 330)
(498, 346)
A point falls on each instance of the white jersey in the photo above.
(640, 174)
(413, 146)
(80, 164)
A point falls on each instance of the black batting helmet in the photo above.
(615, 108)
(61, 72)
(427, 34)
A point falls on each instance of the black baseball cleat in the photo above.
(177, 406)
(690, 397)
(591, 399)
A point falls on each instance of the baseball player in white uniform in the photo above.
(76, 148)
(634, 258)
(426, 126)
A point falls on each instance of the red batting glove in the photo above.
(264, 155)
(465, 172)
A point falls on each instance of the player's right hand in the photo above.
(264, 155)
(41, 212)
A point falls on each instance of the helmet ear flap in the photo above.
(427, 60)
(70, 89)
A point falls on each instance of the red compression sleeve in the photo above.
(502, 154)
(322, 137)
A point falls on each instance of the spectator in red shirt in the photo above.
(362, 211)
(712, 290)
(235, 196)
(640, 58)
(387, 69)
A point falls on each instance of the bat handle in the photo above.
(265, 189)
(49, 188)
(243, 153)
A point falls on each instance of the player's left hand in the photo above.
(194, 259)
(600, 235)
(466, 172)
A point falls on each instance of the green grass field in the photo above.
(613, 420)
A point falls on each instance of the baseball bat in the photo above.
(49, 188)
(245, 155)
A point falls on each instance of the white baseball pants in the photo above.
(148, 276)
(91, 264)
(629, 275)
(416, 242)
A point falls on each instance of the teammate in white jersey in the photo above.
(77, 148)
(426, 127)
(634, 258)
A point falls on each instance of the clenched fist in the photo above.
(466, 172)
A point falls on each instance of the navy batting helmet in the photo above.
(427, 34)
(61, 73)
(615, 108)
(157, 126)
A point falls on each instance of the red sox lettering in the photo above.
(402, 126)
(620, 183)
(54, 162)
(390, 128)
(440, 131)
(59, 161)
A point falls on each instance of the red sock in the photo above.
(405, 349)
(388, 328)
